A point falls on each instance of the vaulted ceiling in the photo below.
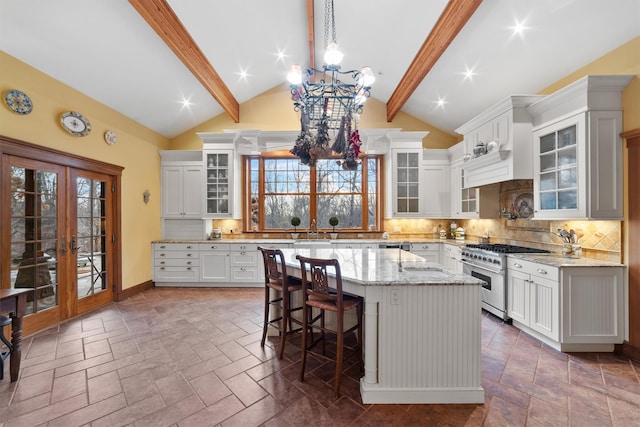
(440, 61)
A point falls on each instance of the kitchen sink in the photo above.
(430, 272)
(312, 243)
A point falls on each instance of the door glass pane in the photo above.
(568, 199)
(34, 213)
(567, 178)
(548, 181)
(91, 234)
(548, 162)
(547, 143)
(548, 200)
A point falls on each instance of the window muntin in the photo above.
(280, 188)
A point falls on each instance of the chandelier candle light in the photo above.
(329, 101)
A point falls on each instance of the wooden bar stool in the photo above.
(4, 321)
(276, 278)
(320, 295)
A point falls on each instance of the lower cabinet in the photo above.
(568, 308)
(245, 263)
(214, 260)
(176, 262)
(451, 257)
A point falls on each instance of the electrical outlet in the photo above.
(395, 297)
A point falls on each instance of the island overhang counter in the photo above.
(422, 325)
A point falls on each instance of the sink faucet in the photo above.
(402, 244)
(313, 229)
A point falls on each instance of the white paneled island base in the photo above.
(422, 334)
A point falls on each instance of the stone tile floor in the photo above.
(192, 357)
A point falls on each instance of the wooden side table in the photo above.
(14, 302)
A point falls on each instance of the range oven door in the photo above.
(493, 291)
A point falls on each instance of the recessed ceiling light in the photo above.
(243, 74)
(186, 103)
(440, 102)
(518, 28)
(469, 73)
(281, 55)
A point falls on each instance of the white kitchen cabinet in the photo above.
(349, 245)
(175, 263)
(467, 203)
(214, 262)
(219, 183)
(245, 263)
(182, 181)
(533, 297)
(429, 251)
(573, 308)
(436, 176)
(451, 257)
(577, 157)
(407, 183)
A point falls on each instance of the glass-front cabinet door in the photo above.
(219, 173)
(557, 182)
(407, 183)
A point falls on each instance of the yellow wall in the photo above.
(273, 110)
(136, 150)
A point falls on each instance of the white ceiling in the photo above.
(106, 50)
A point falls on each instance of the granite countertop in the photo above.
(556, 260)
(363, 240)
(379, 267)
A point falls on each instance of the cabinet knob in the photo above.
(188, 254)
(161, 262)
(214, 247)
(541, 271)
(161, 268)
(242, 269)
(516, 265)
(163, 247)
(188, 262)
(161, 254)
(189, 247)
(189, 268)
(242, 253)
(243, 247)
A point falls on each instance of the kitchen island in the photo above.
(422, 333)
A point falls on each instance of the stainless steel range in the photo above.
(488, 262)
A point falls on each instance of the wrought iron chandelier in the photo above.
(330, 102)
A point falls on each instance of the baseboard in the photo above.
(134, 290)
(627, 350)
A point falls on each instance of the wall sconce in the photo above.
(145, 196)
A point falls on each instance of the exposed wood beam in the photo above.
(451, 21)
(311, 29)
(166, 24)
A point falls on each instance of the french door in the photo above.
(58, 232)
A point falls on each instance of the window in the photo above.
(280, 188)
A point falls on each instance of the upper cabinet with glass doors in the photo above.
(219, 173)
(578, 150)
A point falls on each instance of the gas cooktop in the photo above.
(506, 249)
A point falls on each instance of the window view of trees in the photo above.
(289, 189)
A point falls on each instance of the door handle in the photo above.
(74, 245)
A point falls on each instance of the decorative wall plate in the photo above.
(523, 205)
(75, 123)
(18, 102)
(110, 137)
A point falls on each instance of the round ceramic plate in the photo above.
(75, 123)
(110, 137)
(18, 102)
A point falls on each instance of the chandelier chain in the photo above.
(328, 11)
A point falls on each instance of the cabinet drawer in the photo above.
(214, 247)
(533, 268)
(425, 247)
(177, 262)
(176, 254)
(244, 274)
(244, 258)
(243, 247)
(176, 274)
(176, 247)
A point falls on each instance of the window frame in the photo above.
(313, 194)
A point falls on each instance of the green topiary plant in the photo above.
(295, 221)
(333, 221)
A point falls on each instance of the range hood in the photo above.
(505, 131)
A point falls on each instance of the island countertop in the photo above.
(380, 267)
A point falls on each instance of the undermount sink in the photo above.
(426, 271)
(311, 243)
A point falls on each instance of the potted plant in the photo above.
(295, 221)
(333, 221)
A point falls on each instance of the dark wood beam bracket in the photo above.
(451, 21)
(166, 24)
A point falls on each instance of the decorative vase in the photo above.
(294, 236)
(333, 236)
